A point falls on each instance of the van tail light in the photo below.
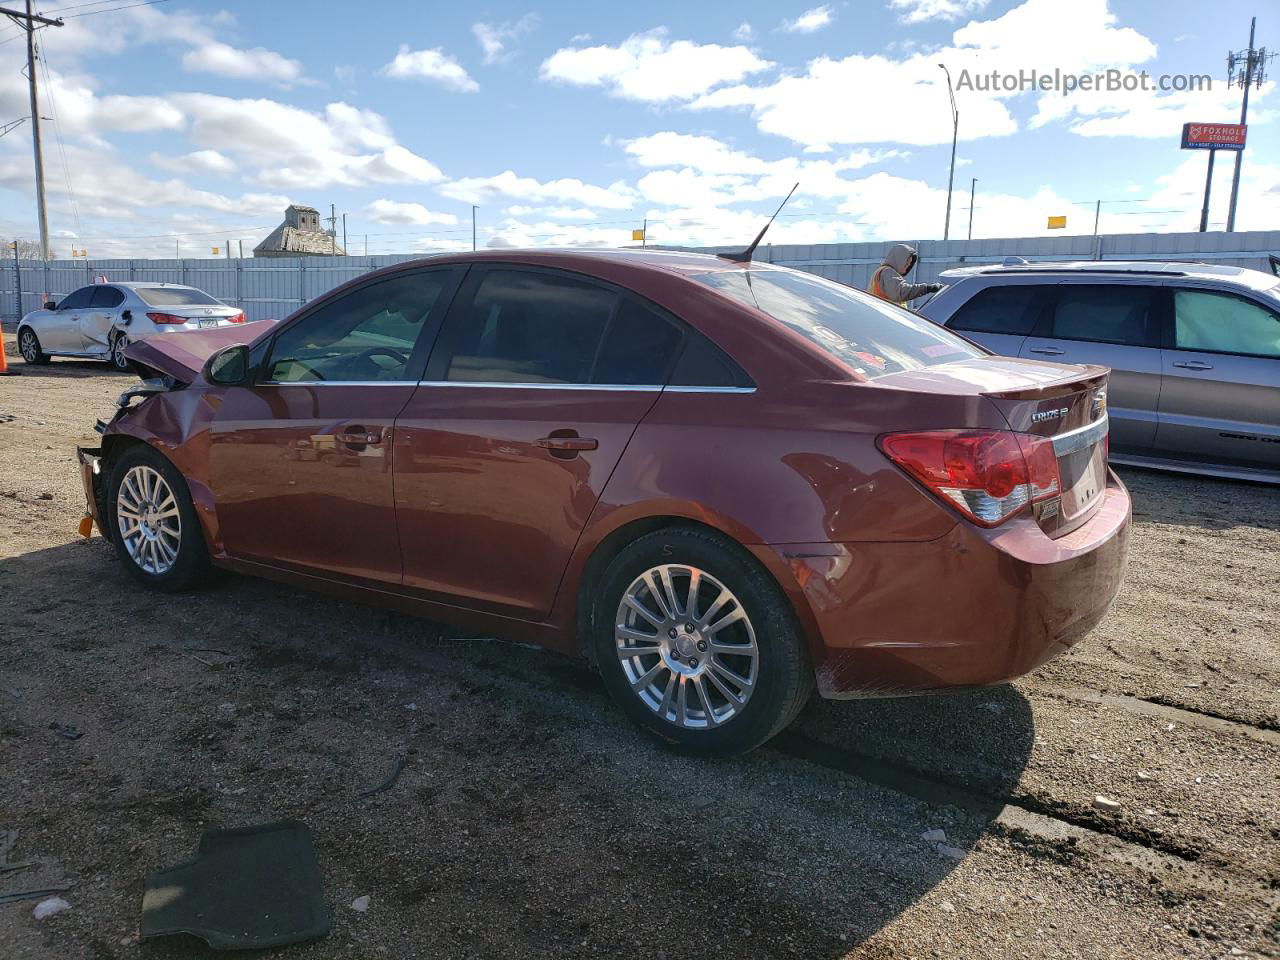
(236, 317)
(167, 318)
(987, 475)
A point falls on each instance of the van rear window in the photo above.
(866, 334)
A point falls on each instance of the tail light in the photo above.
(987, 475)
(167, 318)
(236, 318)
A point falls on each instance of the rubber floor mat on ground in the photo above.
(247, 887)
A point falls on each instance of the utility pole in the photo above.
(473, 227)
(1208, 182)
(955, 132)
(1097, 215)
(644, 233)
(333, 229)
(27, 21)
(228, 249)
(344, 234)
(241, 244)
(973, 185)
(1244, 68)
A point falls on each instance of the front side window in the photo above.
(868, 335)
(1008, 309)
(525, 326)
(365, 335)
(77, 300)
(1222, 323)
(175, 297)
(1113, 313)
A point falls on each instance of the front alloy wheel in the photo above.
(29, 347)
(148, 519)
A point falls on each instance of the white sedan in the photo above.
(98, 321)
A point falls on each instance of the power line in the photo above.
(57, 133)
(127, 6)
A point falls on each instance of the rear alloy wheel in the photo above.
(118, 343)
(29, 347)
(698, 645)
(153, 523)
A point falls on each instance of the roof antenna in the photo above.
(745, 255)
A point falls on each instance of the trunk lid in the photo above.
(182, 355)
(1066, 403)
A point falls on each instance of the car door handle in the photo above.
(567, 443)
(1193, 365)
(1050, 351)
(359, 437)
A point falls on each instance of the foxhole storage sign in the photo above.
(1213, 136)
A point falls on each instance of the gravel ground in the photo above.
(531, 820)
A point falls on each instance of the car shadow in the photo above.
(1212, 503)
(530, 818)
(67, 369)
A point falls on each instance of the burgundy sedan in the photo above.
(724, 483)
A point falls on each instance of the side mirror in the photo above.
(126, 316)
(50, 305)
(229, 366)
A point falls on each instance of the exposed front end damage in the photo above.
(91, 476)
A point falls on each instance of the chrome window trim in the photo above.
(504, 385)
(1081, 437)
(689, 389)
(337, 383)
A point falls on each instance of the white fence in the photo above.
(275, 287)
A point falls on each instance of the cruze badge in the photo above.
(1044, 415)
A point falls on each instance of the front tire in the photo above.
(118, 360)
(29, 347)
(697, 643)
(153, 524)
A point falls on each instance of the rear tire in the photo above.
(29, 347)
(153, 524)
(118, 342)
(715, 674)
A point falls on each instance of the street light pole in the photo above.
(955, 133)
(973, 185)
(473, 227)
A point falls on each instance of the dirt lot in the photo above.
(532, 820)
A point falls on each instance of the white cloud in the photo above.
(743, 32)
(918, 11)
(646, 66)
(484, 190)
(394, 211)
(815, 108)
(228, 61)
(434, 65)
(199, 161)
(809, 21)
(1099, 113)
(495, 38)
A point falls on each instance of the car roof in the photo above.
(1015, 266)
(570, 258)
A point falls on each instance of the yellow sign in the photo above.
(637, 234)
(216, 251)
(1057, 223)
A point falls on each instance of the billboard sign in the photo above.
(1213, 136)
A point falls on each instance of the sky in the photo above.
(174, 126)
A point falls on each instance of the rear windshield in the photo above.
(872, 337)
(175, 297)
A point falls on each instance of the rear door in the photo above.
(98, 319)
(1001, 317)
(1114, 325)
(531, 395)
(61, 332)
(301, 461)
(1221, 396)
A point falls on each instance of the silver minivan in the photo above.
(1194, 350)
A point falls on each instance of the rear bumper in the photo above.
(972, 608)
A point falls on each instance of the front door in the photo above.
(1114, 325)
(1221, 397)
(532, 394)
(301, 462)
(61, 333)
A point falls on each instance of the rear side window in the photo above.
(525, 326)
(1222, 323)
(175, 297)
(1008, 309)
(106, 297)
(703, 364)
(1114, 313)
(870, 336)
